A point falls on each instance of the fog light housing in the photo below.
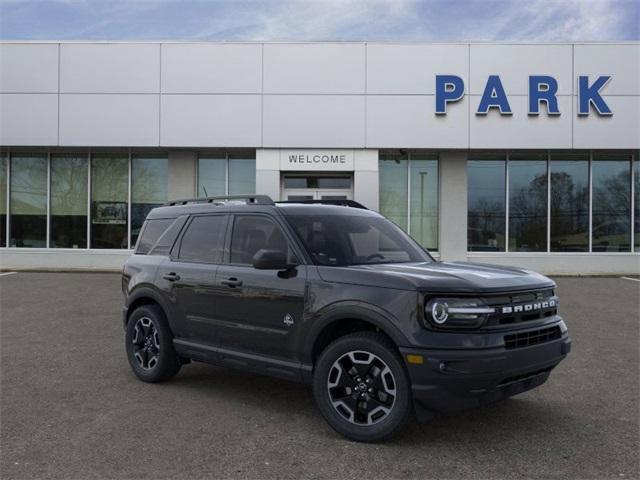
(457, 312)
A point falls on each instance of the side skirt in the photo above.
(251, 362)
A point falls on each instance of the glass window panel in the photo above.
(3, 199)
(28, 201)
(334, 182)
(151, 232)
(296, 182)
(487, 205)
(569, 203)
(69, 201)
(165, 243)
(393, 188)
(424, 201)
(299, 198)
(204, 239)
(251, 234)
(109, 193)
(636, 189)
(149, 189)
(212, 176)
(527, 204)
(242, 176)
(611, 230)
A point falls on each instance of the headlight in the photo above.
(457, 312)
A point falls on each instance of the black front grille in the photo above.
(534, 306)
(533, 337)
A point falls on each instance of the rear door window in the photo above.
(203, 241)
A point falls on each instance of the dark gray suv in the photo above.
(337, 296)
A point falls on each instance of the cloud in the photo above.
(571, 20)
(331, 20)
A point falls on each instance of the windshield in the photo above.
(340, 240)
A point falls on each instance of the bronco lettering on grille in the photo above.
(529, 307)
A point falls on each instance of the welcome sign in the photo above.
(317, 160)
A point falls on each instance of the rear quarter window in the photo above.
(158, 236)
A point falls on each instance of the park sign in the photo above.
(542, 89)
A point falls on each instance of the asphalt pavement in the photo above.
(70, 408)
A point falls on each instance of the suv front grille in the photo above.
(508, 311)
(533, 337)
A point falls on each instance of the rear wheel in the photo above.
(362, 388)
(149, 345)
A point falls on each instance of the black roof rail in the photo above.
(249, 200)
(342, 203)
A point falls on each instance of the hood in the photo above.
(449, 277)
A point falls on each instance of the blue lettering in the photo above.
(449, 88)
(590, 95)
(538, 94)
(494, 97)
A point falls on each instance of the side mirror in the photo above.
(270, 260)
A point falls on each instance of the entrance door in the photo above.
(315, 187)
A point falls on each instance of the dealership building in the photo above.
(515, 154)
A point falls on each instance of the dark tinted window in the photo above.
(317, 182)
(569, 203)
(636, 203)
(487, 205)
(168, 238)
(355, 240)
(204, 239)
(611, 222)
(253, 233)
(151, 233)
(528, 204)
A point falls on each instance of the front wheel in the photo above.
(362, 388)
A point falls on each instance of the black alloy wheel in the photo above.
(146, 343)
(149, 345)
(362, 387)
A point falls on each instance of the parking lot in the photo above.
(71, 408)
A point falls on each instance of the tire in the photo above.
(149, 345)
(371, 403)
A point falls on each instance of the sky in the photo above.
(321, 20)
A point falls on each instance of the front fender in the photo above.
(351, 309)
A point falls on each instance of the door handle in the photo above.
(172, 276)
(232, 282)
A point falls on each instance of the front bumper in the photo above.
(450, 380)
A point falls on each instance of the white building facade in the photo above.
(516, 154)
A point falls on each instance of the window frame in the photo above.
(433, 156)
(291, 240)
(222, 156)
(35, 152)
(174, 254)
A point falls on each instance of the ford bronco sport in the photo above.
(337, 296)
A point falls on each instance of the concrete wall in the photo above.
(452, 206)
(306, 95)
(182, 174)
